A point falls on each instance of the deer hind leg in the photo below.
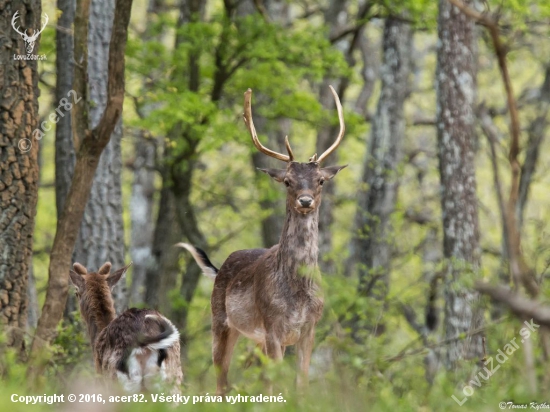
(223, 343)
(131, 380)
(304, 347)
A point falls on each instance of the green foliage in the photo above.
(246, 53)
(71, 347)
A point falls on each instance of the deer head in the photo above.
(89, 284)
(29, 40)
(304, 181)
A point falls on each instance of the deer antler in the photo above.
(35, 35)
(247, 116)
(13, 20)
(342, 128)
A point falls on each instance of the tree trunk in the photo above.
(64, 148)
(101, 236)
(335, 18)
(536, 132)
(18, 166)
(456, 89)
(143, 190)
(181, 188)
(141, 210)
(372, 243)
(162, 273)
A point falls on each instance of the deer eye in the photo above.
(321, 181)
(287, 182)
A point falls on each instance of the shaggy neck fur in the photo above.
(97, 308)
(298, 246)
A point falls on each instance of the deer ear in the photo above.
(115, 277)
(105, 269)
(77, 280)
(78, 268)
(276, 174)
(329, 172)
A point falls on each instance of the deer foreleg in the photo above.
(304, 347)
(273, 348)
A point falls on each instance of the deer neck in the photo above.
(298, 246)
(98, 311)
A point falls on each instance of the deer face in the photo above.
(304, 182)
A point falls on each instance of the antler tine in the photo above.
(289, 150)
(342, 127)
(250, 125)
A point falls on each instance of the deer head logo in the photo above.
(29, 40)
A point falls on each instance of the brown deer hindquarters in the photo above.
(146, 352)
(140, 348)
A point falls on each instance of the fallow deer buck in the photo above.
(140, 347)
(272, 296)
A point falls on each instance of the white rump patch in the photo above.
(131, 382)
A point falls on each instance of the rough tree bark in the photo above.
(372, 242)
(89, 144)
(18, 166)
(456, 92)
(101, 236)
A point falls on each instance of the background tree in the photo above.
(456, 93)
(372, 244)
(64, 149)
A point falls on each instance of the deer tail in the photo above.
(163, 340)
(129, 370)
(202, 259)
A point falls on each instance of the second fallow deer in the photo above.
(272, 296)
(140, 348)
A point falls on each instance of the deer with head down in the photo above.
(140, 348)
(272, 296)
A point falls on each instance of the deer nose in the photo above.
(305, 201)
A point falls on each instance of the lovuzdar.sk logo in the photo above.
(30, 40)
